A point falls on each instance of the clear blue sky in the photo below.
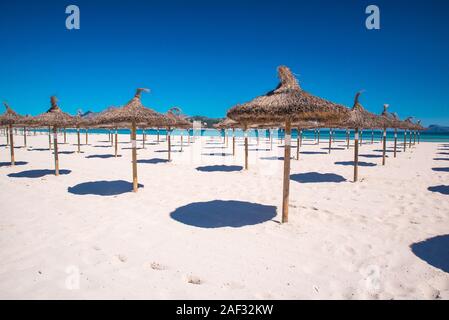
(206, 56)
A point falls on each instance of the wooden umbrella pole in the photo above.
(414, 137)
(49, 138)
(182, 141)
(25, 136)
(361, 137)
(405, 140)
(143, 138)
(300, 138)
(7, 136)
(134, 155)
(246, 148)
(395, 141)
(65, 136)
(410, 139)
(116, 142)
(79, 139)
(356, 154)
(384, 149)
(372, 136)
(297, 144)
(271, 139)
(55, 150)
(87, 136)
(227, 137)
(318, 136)
(330, 140)
(314, 135)
(157, 135)
(11, 145)
(286, 179)
(418, 136)
(233, 141)
(347, 139)
(169, 144)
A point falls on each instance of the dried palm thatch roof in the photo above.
(418, 126)
(287, 102)
(54, 117)
(132, 112)
(227, 124)
(175, 118)
(407, 124)
(388, 120)
(358, 117)
(9, 117)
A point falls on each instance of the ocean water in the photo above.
(307, 134)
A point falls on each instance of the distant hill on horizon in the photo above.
(437, 129)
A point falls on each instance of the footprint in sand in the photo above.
(122, 258)
(193, 280)
(157, 266)
(233, 285)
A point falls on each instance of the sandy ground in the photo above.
(200, 227)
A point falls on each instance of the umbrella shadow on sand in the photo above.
(441, 169)
(219, 214)
(312, 152)
(37, 173)
(17, 163)
(102, 188)
(371, 155)
(351, 163)
(221, 168)
(441, 159)
(434, 251)
(152, 161)
(102, 156)
(316, 177)
(440, 189)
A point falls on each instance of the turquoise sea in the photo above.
(307, 134)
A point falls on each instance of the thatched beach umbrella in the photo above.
(286, 104)
(229, 124)
(9, 118)
(174, 119)
(132, 114)
(358, 118)
(54, 118)
(385, 121)
(300, 126)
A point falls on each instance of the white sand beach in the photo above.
(200, 227)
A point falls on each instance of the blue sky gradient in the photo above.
(206, 56)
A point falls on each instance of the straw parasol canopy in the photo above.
(9, 118)
(56, 118)
(132, 114)
(359, 118)
(287, 103)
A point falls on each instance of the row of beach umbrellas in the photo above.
(287, 106)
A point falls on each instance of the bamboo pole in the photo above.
(87, 136)
(182, 136)
(286, 178)
(25, 136)
(330, 140)
(158, 135)
(395, 141)
(11, 145)
(65, 136)
(384, 149)
(134, 155)
(116, 143)
(55, 151)
(356, 154)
